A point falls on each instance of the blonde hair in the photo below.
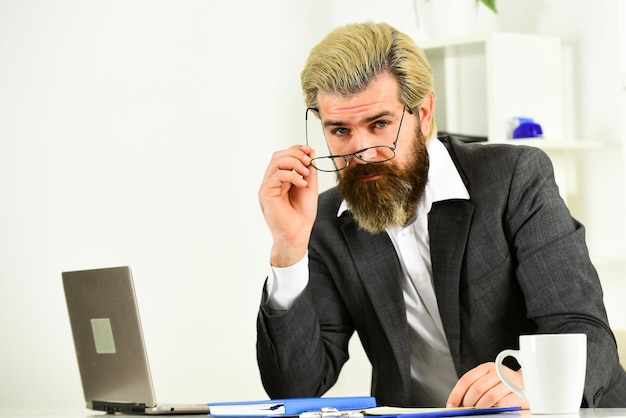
(351, 56)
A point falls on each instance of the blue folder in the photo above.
(289, 406)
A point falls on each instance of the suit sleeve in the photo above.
(561, 287)
(301, 351)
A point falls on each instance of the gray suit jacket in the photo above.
(509, 261)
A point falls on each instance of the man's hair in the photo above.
(351, 56)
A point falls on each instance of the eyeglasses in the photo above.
(333, 163)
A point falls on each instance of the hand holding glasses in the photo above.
(333, 163)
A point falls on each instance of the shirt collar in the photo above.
(444, 180)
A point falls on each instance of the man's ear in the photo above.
(425, 110)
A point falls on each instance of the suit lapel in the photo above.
(448, 226)
(379, 269)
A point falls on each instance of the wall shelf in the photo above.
(484, 81)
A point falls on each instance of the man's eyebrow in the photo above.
(328, 123)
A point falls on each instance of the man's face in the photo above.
(381, 194)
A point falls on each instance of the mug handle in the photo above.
(499, 359)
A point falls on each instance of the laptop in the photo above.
(109, 343)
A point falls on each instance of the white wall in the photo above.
(137, 132)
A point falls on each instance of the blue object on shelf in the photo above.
(527, 128)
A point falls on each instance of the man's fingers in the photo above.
(481, 387)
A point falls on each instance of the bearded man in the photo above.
(439, 254)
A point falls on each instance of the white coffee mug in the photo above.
(553, 367)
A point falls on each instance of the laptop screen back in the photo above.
(108, 337)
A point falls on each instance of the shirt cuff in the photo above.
(285, 284)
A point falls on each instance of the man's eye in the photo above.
(340, 131)
(381, 124)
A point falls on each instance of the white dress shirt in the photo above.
(432, 370)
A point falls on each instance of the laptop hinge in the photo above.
(114, 407)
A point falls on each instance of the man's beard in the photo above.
(390, 200)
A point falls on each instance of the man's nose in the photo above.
(368, 154)
(363, 141)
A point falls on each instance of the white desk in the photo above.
(583, 413)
